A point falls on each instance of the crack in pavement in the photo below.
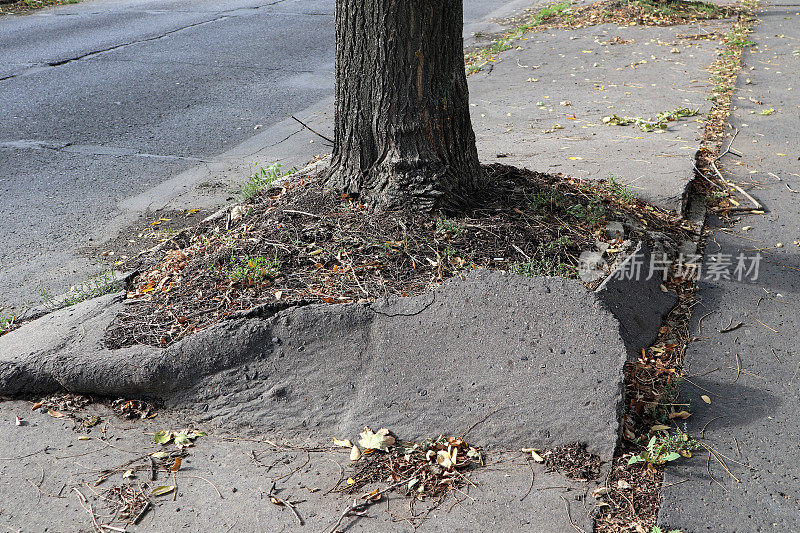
(89, 149)
(191, 64)
(61, 62)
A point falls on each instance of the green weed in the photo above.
(657, 529)
(667, 9)
(262, 178)
(506, 41)
(665, 447)
(445, 226)
(99, 285)
(549, 260)
(249, 269)
(6, 323)
(620, 190)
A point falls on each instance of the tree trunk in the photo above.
(403, 133)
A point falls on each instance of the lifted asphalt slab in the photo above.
(751, 373)
(543, 355)
(542, 105)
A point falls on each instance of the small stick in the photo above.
(285, 503)
(766, 326)
(738, 369)
(530, 487)
(113, 528)
(755, 202)
(301, 213)
(88, 509)
(731, 328)
(207, 481)
(312, 131)
(703, 431)
(24, 456)
(142, 512)
(353, 507)
(569, 517)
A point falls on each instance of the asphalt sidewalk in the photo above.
(750, 372)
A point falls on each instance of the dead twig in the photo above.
(569, 517)
(280, 501)
(306, 126)
(530, 487)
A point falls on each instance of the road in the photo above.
(111, 108)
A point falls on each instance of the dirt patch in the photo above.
(153, 228)
(21, 7)
(573, 461)
(300, 243)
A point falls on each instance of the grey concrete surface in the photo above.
(750, 374)
(640, 304)
(46, 452)
(544, 352)
(598, 71)
(115, 107)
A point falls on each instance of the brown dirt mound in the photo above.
(300, 243)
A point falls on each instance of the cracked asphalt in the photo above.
(109, 100)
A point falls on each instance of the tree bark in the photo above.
(403, 134)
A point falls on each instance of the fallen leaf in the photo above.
(600, 492)
(343, 443)
(128, 474)
(158, 455)
(705, 398)
(56, 414)
(182, 439)
(376, 441)
(444, 459)
(355, 453)
(162, 437)
(683, 415)
(659, 427)
(624, 485)
(84, 437)
(350, 481)
(36, 406)
(536, 457)
(176, 465)
(162, 490)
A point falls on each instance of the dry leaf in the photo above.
(599, 492)
(343, 443)
(162, 490)
(683, 415)
(176, 465)
(624, 485)
(376, 441)
(705, 398)
(36, 406)
(659, 427)
(536, 457)
(355, 453)
(444, 459)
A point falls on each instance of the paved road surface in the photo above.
(103, 101)
(751, 373)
